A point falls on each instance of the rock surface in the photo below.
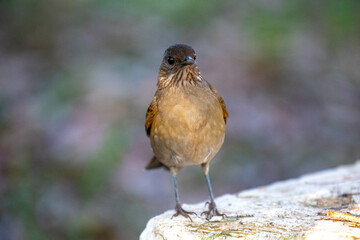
(291, 209)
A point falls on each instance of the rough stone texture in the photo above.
(292, 209)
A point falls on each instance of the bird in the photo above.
(185, 121)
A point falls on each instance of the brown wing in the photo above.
(221, 101)
(150, 115)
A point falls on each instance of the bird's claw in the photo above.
(212, 211)
(180, 211)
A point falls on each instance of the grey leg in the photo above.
(179, 210)
(210, 188)
(212, 205)
(176, 190)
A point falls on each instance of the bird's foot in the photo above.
(180, 211)
(212, 211)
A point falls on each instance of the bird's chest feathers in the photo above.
(186, 113)
(190, 111)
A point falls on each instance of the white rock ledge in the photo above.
(292, 209)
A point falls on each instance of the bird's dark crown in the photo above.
(179, 52)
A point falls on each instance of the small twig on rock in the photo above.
(339, 216)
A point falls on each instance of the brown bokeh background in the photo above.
(76, 78)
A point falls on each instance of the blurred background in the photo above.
(76, 78)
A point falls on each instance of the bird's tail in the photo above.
(154, 163)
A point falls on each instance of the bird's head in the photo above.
(178, 64)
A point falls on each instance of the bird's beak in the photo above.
(188, 61)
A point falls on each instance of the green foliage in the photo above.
(96, 173)
(271, 26)
(341, 19)
(59, 94)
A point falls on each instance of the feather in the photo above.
(221, 101)
(150, 115)
(154, 163)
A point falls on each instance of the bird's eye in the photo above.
(171, 60)
(194, 57)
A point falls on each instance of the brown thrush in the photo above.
(185, 120)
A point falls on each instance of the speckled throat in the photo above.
(179, 76)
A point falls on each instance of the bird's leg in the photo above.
(212, 205)
(179, 210)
